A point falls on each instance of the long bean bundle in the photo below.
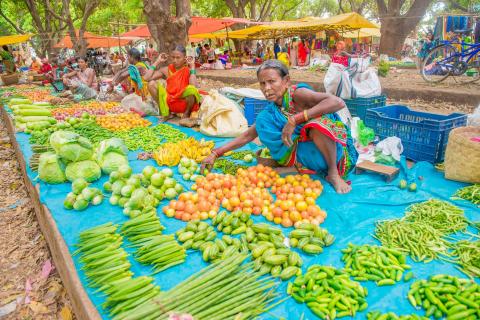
(441, 215)
(468, 253)
(224, 290)
(421, 240)
(470, 193)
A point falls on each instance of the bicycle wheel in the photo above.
(472, 73)
(439, 63)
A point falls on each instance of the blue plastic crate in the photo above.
(253, 108)
(424, 135)
(358, 106)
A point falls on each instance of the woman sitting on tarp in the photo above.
(138, 74)
(8, 60)
(180, 95)
(300, 128)
(82, 81)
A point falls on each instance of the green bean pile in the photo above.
(383, 265)
(225, 290)
(328, 292)
(168, 133)
(240, 155)
(377, 315)
(227, 166)
(468, 253)
(470, 193)
(441, 215)
(143, 138)
(421, 240)
(445, 295)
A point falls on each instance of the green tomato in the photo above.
(127, 190)
(114, 200)
(157, 179)
(402, 184)
(412, 187)
(78, 185)
(170, 193)
(178, 188)
(148, 171)
(125, 171)
(107, 186)
(167, 172)
(80, 204)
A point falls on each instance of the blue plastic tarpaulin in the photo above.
(351, 218)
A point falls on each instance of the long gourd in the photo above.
(36, 118)
(33, 112)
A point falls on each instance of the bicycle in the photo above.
(452, 58)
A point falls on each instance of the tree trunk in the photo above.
(396, 26)
(168, 32)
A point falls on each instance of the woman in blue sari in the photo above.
(300, 127)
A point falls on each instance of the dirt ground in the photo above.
(30, 287)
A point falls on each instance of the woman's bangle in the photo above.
(305, 115)
(292, 120)
(193, 71)
(217, 153)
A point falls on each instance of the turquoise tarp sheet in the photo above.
(351, 218)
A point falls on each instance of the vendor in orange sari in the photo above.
(180, 94)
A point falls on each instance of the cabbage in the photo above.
(111, 154)
(112, 162)
(87, 169)
(50, 169)
(71, 146)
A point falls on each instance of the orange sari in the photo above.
(177, 82)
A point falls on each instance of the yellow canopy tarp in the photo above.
(14, 39)
(343, 22)
(362, 33)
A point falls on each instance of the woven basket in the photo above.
(269, 162)
(10, 79)
(462, 157)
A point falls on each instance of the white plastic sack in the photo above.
(366, 84)
(337, 81)
(474, 118)
(391, 146)
(220, 116)
(135, 102)
(359, 64)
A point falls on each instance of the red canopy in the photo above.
(93, 41)
(199, 25)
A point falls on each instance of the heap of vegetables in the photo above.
(470, 193)
(310, 238)
(82, 195)
(170, 153)
(122, 121)
(78, 110)
(189, 169)
(31, 116)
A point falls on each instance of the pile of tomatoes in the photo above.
(248, 192)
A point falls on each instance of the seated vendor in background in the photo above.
(36, 65)
(82, 80)
(300, 128)
(181, 95)
(340, 56)
(8, 60)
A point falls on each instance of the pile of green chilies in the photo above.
(383, 265)
(92, 131)
(446, 296)
(441, 215)
(227, 166)
(240, 155)
(468, 256)
(470, 193)
(224, 290)
(168, 133)
(328, 292)
(143, 138)
(377, 315)
(422, 241)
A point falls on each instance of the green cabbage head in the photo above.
(86, 169)
(50, 169)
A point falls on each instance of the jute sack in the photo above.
(462, 157)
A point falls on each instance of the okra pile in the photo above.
(377, 315)
(310, 238)
(161, 251)
(446, 296)
(383, 265)
(225, 290)
(328, 292)
(142, 227)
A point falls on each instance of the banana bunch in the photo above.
(170, 153)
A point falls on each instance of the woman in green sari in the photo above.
(8, 60)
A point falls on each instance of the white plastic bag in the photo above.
(337, 81)
(366, 84)
(474, 118)
(391, 146)
(221, 117)
(135, 102)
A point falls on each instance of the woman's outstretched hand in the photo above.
(287, 133)
(208, 162)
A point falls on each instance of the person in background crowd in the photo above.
(224, 58)
(259, 52)
(302, 53)
(151, 53)
(46, 68)
(181, 95)
(340, 56)
(82, 80)
(8, 60)
(294, 52)
(276, 48)
(269, 54)
(300, 128)
(191, 50)
(36, 64)
(427, 44)
(210, 54)
(198, 52)
(284, 57)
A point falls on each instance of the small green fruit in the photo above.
(402, 184)
(412, 187)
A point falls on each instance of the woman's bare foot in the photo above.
(338, 183)
(166, 118)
